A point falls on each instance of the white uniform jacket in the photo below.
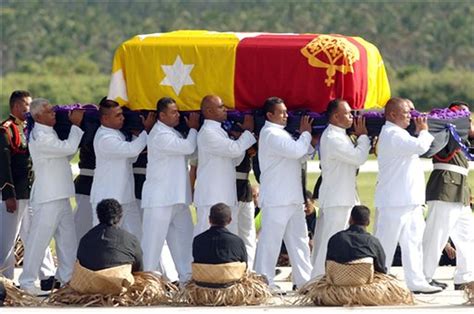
(401, 181)
(280, 158)
(53, 175)
(339, 162)
(167, 179)
(113, 175)
(218, 155)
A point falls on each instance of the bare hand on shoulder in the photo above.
(149, 121)
(306, 124)
(359, 126)
(421, 124)
(248, 123)
(193, 121)
(76, 116)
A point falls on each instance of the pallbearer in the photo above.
(340, 158)
(167, 191)
(218, 156)
(281, 194)
(400, 192)
(52, 188)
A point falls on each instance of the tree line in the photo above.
(62, 50)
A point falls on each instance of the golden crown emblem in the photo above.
(331, 53)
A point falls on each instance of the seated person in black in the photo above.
(107, 245)
(356, 243)
(218, 245)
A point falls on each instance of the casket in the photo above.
(306, 70)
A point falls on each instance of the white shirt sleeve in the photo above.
(288, 147)
(219, 145)
(114, 146)
(171, 144)
(409, 145)
(51, 146)
(348, 153)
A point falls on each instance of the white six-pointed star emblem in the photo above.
(177, 75)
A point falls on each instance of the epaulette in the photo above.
(6, 123)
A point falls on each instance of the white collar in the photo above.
(162, 125)
(43, 126)
(274, 125)
(336, 128)
(212, 123)
(393, 125)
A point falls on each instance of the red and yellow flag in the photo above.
(246, 68)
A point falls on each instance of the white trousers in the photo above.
(246, 229)
(166, 266)
(131, 219)
(330, 221)
(51, 219)
(12, 225)
(284, 223)
(83, 215)
(446, 219)
(404, 225)
(173, 224)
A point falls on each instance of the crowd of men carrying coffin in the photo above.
(149, 227)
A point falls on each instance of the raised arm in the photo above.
(288, 147)
(219, 145)
(171, 144)
(348, 153)
(114, 146)
(51, 146)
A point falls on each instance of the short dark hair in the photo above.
(332, 106)
(17, 96)
(106, 104)
(220, 214)
(360, 215)
(109, 211)
(163, 104)
(269, 105)
(308, 194)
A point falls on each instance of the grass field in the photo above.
(366, 188)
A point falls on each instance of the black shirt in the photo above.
(355, 243)
(109, 246)
(244, 189)
(218, 246)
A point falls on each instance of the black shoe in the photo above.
(437, 283)
(49, 284)
(277, 272)
(294, 288)
(459, 286)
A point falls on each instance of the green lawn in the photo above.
(366, 187)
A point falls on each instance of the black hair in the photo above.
(106, 104)
(220, 214)
(360, 215)
(17, 96)
(163, 104)
(332, 106)
(109, 211)
(308, 195)
(269, 105)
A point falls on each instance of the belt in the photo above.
(139, 171)
(242, 175)
(86, 172)
(449, 167)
